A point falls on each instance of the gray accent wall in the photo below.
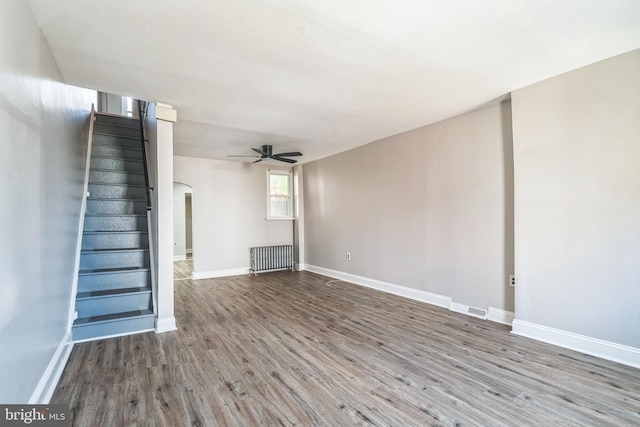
(43, 133)
(577, 204)
(430, 209)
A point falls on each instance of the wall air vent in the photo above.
(465, 309)
(478, 312)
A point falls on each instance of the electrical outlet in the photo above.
(348, 255)
(512, 280)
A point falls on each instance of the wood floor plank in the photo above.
(182, 269)
(302, 349)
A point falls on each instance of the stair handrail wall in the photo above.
(83, 210)
(142, 117)
(152, 264)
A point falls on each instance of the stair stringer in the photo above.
(83, 210)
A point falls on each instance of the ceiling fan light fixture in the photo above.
(266, 152)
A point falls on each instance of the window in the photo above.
(127, 102)
(279, 204)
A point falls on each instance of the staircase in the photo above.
(114, 281)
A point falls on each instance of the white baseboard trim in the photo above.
(197, 275)
(493, 314)
(167, 324)
(415, 294)
(300, 267)
(500, 316)
(179, 257)
(595, 347)
(49, 380)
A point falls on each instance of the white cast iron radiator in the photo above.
(271, 258)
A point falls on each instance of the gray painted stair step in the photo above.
(91, 259)
(118, 141)
(106, 176)
(117, 120)
(115, 239)
(123, 300)
(104, 280)
(118, 191)
(118, 324)
(114, 151)
(131, 165)
(109, 129)
(116, 206)
(115, 222)
(112, 292)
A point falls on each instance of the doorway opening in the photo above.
(115, 104)
(182, 231)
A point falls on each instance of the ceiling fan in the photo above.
(266, 152)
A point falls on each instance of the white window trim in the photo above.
(291, 208)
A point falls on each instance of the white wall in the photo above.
(577, 193)
(163, 238)
(180, 220)
(188, 225)
(43, 125)
(428, 209)
(229, 207)
(298, 225)
(159, 132)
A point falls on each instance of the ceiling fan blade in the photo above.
(259, 151)
(240, 156)
(282, 159)
(259, 160)
(291, 154)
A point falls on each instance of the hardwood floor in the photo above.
(182, 269)
(287, 349)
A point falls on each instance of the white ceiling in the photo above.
(323, 76)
